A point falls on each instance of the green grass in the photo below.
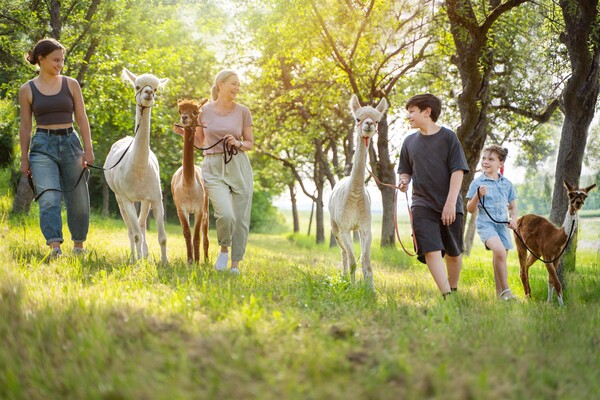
(287, 328)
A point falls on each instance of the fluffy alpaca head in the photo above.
(577, 196)
(367, 117)
(189, 111)
(145, 85)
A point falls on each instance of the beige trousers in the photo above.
(230, 188)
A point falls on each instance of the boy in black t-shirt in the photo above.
(434, 159)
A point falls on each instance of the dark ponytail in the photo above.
(43, 48)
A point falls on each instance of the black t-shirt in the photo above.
(431, 160)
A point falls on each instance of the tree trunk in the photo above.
(293, 199)
(470, 234)
(23, 197)
(319, 216)
(384, 168)
(55, 19)
(579, 99)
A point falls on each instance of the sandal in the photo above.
(506, 295)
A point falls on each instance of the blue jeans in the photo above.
(55, 162)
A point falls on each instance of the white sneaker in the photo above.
(54, 254)
(222, 261)
(234, 271)
(79, 251)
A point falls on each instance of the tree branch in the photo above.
(538, 117)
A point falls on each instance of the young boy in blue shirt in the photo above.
(499, 196)
(434, 160)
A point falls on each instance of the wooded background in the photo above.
(513, 71)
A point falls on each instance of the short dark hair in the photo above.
(422, 101)
(500, 151)
(43, 48)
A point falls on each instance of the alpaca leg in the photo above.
(157, 207)
(142, 220)
(523, 267)
(204, 217)
(348, 255)
(335, 231)
(555, 282)
(129, 216)
(185, 228)
(197, 223)
(365, 257)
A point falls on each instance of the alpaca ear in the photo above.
(162, 82)
(202, 102)
(382, 106)
(354, 104)
(568, 186)
(128, 76)
(587, 189)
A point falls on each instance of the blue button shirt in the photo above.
(500, 192)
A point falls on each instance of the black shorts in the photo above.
(432, 235)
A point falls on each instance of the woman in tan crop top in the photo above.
(54, 157)
(229, 185)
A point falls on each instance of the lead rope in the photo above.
(482, 202)
(396, 188)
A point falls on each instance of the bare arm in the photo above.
(449, 211)
(472, 204)
(198, 137)
(82, 122)
(25, 126)
(514, 214)
(247, 142)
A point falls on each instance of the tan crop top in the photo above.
(55, 109)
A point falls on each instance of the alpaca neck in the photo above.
(570, 219)
(141, 146)
(188, 155)
(357, 176)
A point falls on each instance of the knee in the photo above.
(227, 217)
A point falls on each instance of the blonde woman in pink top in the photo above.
(228, 180)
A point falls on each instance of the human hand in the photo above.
(231, 141)
(178, 129)
(482, 190)
(403, 185)
(25, 166)
(88, 158)
(512, 224)
(448, 214)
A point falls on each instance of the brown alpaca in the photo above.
(547, 241)
(187, 185)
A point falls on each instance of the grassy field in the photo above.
(287, 328)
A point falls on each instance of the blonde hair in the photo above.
(221, 77)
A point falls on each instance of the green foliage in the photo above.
(8, 132)
(265, 218)
(535, 195)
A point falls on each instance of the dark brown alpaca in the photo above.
(187, 185)
(547, 241)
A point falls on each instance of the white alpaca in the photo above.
(350, 204)
(136, 176)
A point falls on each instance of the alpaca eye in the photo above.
(358, 120)
(137, 87)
